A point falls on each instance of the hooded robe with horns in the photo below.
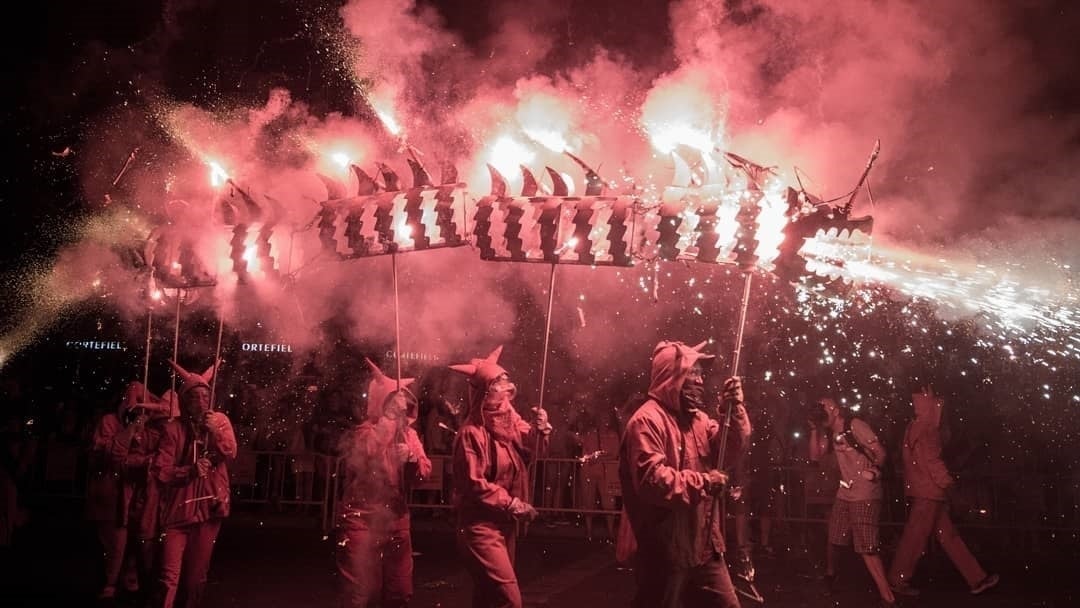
(491, 449)
(664, 457)
(375, 483)
(187, 498)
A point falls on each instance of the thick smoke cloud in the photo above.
(975, 151)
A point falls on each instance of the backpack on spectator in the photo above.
(849, 436)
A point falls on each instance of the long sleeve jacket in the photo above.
(119, 487)
(376, 482)
(663, 460)
(187, 498)
(104, 495)
(925, 473)
(489, 474)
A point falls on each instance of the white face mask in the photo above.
(394, 408)
(500, 390)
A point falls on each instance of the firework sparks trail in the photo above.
(1007, 302)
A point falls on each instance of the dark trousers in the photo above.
(487, 550)
(705, 586)
(925, 518)
(376, 568)
(185, 562)
(126, 555)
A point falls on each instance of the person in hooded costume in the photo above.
(190, 466)
(491, 480)
(120, 498)
(381, 458)
(672, 491)
(926, 480)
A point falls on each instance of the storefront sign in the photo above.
(259, 347)
(94, 345)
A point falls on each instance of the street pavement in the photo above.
(285, 560)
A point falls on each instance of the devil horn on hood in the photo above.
(468, 369)
(185, 375)
(375, 369)
(208, 375)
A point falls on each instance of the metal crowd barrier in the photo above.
(804, 494)
(307, 483)
(303, 480)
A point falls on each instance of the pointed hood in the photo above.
(189, 380)
(670, 363)
(381, 387)
(480, 373)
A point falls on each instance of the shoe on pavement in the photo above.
(904, 589)
(987, 583)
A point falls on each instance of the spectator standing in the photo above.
(856, 512)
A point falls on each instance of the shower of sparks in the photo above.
(545, 119)
(218, 175)
(46, 294)
(1008, 313)
(388, 120)
(341, 159)
(1006, 302)
(383, 106)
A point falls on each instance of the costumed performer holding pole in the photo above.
(667, 467)
(491, 494)
(381, 459)
(191, 466)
